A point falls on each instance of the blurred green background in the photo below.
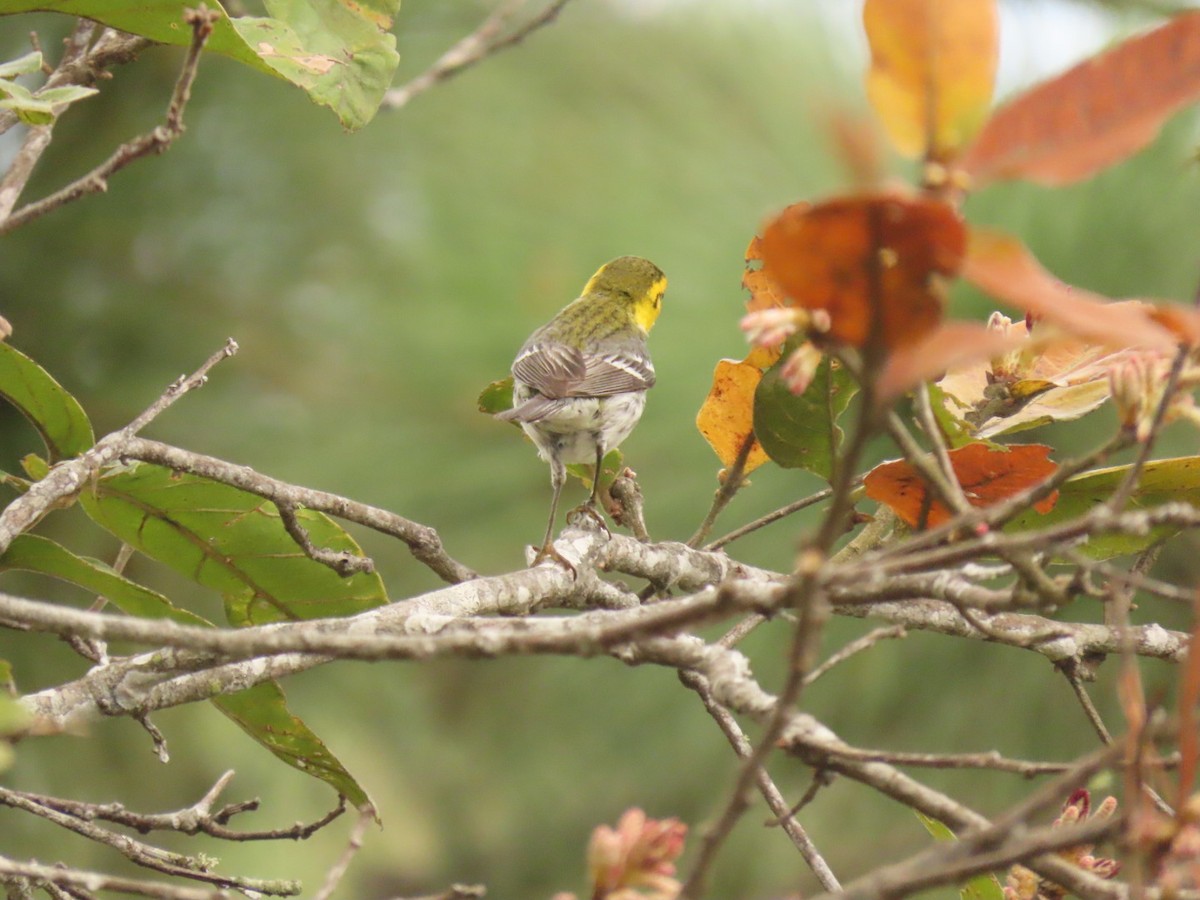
(377, 281)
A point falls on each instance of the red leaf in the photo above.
(986, 474)
(1094, 115)
(869, 261)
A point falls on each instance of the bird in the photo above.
(580, 380)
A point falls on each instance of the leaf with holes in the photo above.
(231, 541)
(497, 397)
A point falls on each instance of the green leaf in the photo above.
(802, 432)
(981, 887)
(497, 396)
(231, 541)
(14, 717)
(56, 415)
(262, 713)
(339, 52)
(32, 553)
(66, 94)
(1163, 481)
(610, 468)
(22, 65)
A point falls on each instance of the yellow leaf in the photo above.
(727, 417)
(933, 68)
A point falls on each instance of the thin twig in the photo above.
(142, 854)
(343, 562)
(78, 879)
(775, 800)
(67, 478)
(157, 141)
(806, 596)
(734, 478)
(856, 646)
(481, 43)
(338, 870)
(770, 518)
(422, 540)
(199, 818)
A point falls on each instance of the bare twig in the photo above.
(152, 143)
(769, 519)
(343, 562)
(733, 479)
(775, 800)
(199, 818)
(78, 879)
(67, 478)
(856, 646)
(142, 854)
(483, 42)
(338, 870)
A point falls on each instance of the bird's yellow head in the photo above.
(636, 281)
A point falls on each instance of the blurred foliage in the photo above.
(376, 283)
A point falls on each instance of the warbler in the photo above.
(580, 381)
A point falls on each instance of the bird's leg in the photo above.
(589, 508)
(558, 475)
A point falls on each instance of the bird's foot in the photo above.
(588, 510)
(548, 552)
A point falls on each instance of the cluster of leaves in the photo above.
(34, 107)
(850, 293)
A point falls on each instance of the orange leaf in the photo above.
(1096, 114)
(727, 417)
(987, 476)
(954, 344)
(869, 261)
(1004, 268)
(764, 292)
(933, 66)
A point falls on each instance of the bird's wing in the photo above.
(616, 373)
(557, 371)
(552, 369)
